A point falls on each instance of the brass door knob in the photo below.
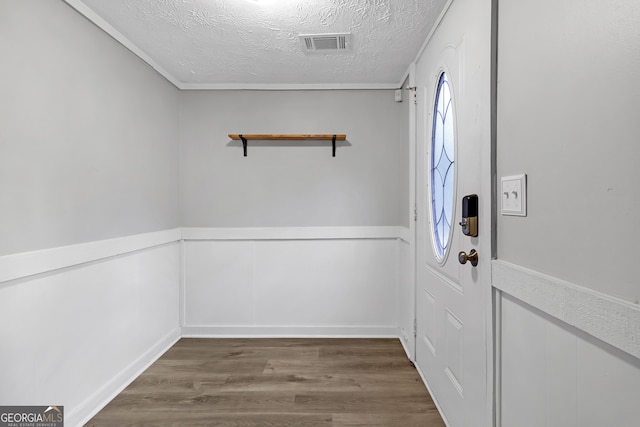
(472, 257)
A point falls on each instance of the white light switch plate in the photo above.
(513, 193)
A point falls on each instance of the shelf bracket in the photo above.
(244, 144)
(333, 141)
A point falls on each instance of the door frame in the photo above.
(494, 332)
(413, 207)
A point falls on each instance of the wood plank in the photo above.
(429, 419)
(245, 354)
(364, 402)
(148, 383)
(357, 364)
(288, 136)
(222, 419)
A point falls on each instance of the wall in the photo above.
(89, 133)
(88, 166)
(567, 306)
(567, 115)
(290, 185)
(290, 240)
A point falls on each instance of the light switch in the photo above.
(513, 194)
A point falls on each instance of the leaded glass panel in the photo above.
(442, 167)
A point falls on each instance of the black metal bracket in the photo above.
(333, 141)
(334, 137)
(244, 144)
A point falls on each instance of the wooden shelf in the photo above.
(244, 137)
(287, 136)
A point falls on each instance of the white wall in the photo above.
(567, 316)
(88, 151)
(568, 117)
(280, 249)
(297, 184)
(88, 133)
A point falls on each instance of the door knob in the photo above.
(472, 257)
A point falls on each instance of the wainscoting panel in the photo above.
(556, 373)
(77, 335)
(335, 284)
(219, 285)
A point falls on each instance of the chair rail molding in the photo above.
(612, 320)
(25, 264)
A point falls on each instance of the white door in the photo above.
(453, 303)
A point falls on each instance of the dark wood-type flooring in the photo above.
(276, 382)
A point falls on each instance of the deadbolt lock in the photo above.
(469, 222)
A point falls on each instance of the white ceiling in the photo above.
(244, 44)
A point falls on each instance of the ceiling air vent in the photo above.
(326, 43)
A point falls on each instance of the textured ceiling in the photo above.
(254, 43)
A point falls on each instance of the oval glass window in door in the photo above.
(442, 168)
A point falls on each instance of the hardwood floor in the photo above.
(276, 382)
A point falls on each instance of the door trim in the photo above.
(413, 207)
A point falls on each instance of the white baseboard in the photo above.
(289, 332)
(94, 403)
(612, 320)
